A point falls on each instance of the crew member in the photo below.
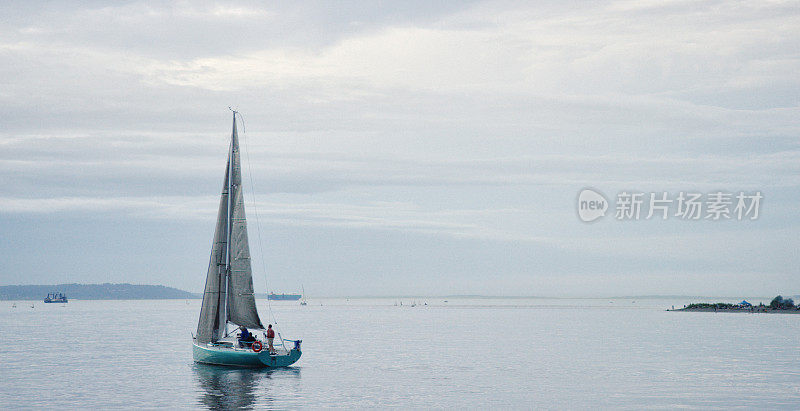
(270, 337)
(245, 337)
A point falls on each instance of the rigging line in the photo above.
(244, 129)
(258, 221)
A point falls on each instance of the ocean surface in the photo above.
(369, 353)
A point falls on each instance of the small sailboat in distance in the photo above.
(303, 301)
(228, 297)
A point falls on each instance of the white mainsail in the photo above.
(228, 295)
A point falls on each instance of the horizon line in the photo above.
(487, 296)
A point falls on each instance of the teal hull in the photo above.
(243, 358)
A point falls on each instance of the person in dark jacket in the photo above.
(245, 337)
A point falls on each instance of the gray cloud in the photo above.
(464, 127)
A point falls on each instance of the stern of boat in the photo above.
(279, 360)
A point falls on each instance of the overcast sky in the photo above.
(401, 148)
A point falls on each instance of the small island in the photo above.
(778, 305)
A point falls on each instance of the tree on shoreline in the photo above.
(780, 303)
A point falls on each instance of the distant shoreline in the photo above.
(126, 291)
(756, 310)
(106, 291)
(778, 305)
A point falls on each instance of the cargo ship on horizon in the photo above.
(283, 297)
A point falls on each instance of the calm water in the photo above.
(369, 353)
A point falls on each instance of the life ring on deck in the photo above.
(257, 347)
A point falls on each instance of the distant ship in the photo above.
(56, 298)
(283, 297)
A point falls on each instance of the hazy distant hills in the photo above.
(105, 291)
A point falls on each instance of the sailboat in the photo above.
(228, 297)
(304, 301)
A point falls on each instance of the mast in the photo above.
(230, 219)
(228, 230)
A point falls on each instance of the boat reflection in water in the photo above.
(237, 388)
